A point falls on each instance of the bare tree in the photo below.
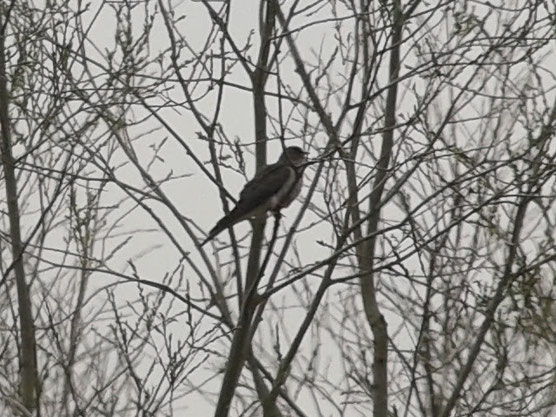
(415, 276)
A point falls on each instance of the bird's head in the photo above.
(294, 155)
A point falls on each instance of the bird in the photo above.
(275, 187)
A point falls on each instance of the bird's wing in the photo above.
(256, 192)
(265, 185)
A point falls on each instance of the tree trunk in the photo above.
(27, 350)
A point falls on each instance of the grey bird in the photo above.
(275, 187)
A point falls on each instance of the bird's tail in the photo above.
(227, 221)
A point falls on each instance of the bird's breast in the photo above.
(288, 192)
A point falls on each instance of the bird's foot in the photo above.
(277, 214)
